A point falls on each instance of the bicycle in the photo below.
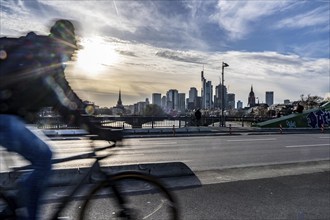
(120, 203)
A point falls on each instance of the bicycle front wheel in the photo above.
(130, 195)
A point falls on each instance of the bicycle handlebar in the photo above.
(89, 155)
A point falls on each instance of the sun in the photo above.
(95, 56)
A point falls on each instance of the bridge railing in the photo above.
(129, 122)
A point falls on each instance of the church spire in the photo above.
(251, 99)
(119, 98)
(119, 102)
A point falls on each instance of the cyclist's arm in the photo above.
(74, 111)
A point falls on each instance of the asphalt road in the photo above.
(199, 153)
(214, 152)
(291, 197)
(218, 195)
(295, 197)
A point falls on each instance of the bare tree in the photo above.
(310, 101)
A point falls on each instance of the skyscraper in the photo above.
(252, 98)
(192, 100)
(218, 96)
(269, 98)
(207, 93)
(156, 99)
(239, 104)
(193, 94)
(182, 102)
(164, 102)
(172, 99)
(231, 101)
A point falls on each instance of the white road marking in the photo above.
(129, 154)
(308, 145)
(157, 208)
(162, 143)
(265, 139)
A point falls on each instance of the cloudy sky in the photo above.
(148, 46)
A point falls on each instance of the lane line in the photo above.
(265, 139)
(308, 145)
(130, 154)
(153, 143)
(162, 143)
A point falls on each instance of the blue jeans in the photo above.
(16, 137)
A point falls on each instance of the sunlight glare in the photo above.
(96, 55)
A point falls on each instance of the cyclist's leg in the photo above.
(15, 136)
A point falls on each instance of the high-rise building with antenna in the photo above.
(206, 92)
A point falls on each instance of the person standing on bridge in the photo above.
(32, 77)
(198, 116)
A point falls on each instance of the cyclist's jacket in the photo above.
(32, 76)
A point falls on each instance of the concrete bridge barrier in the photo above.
(72, 176)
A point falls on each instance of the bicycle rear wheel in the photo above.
(133, 195)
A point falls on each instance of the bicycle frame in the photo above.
(111, 181)
(93, 168)
(77, 187)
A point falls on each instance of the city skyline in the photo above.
(281, 46)
(268, 98)
(157, 97)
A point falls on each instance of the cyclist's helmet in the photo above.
(63, 30)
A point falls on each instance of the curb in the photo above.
(262, 171)
(175, 170)
(72, 176)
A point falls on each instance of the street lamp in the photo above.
(223, 95)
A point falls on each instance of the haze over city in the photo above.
(144, 47)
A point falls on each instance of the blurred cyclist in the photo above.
(32, 77)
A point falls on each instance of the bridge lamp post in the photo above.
(223, 95)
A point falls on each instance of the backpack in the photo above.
(24, 64)
(18, 55)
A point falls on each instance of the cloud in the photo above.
(181, 56)
(238, 17)
(17, 18)
(317, 17)
(163, 44)
(161, 23)
(317, 49)
(126, 53)
(146, 72)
